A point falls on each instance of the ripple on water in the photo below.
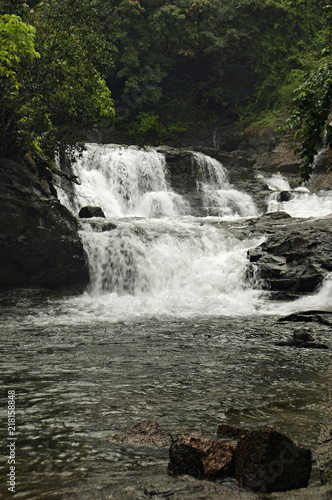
(77, 385)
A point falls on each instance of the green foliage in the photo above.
(309, 118)
(17, 50)
(147, 128)
(51, 75)
(170, 65)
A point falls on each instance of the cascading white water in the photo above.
(302, 203)
(125, 181)
(169, 268)
(174, 265)
(219, 197)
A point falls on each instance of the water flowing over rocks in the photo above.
(39, 240)
(185, 172)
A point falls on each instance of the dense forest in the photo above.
(152, 68)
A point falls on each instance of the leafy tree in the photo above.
(63, 91)
(16, 49)
(312, 105)
(309, 118)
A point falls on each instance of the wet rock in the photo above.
(90, 211)
(295, 257)
(201, 457)
(185, 172)
(284, 196)
(231, 431)
(39, 239)
(145, 433)
(322, 317)
(267, 461)
(304, 340)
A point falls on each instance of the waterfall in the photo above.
(219, 197)
(301, 202)
(125, 181)
(173, 265)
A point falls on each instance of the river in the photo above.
(168, 329)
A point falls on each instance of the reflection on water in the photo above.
(78, 385)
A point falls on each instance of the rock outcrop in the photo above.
(184, 171)
(39, 240)
(296, 256)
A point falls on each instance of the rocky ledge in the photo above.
(296, 255)
(39, 239)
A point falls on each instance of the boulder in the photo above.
(201, 457)
(267, 461)
(322, 317)
(90, 211)
(145, 433)
(284, 196)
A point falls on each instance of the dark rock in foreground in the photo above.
(90, 211)
(39, 240)
(267, 461)
(146, 433)
(284, 196)
(201, 457)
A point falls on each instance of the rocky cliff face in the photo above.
(39, 240)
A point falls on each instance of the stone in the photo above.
(90, 211)
(322, 317)
(145, 433)
(268, 461)
(284, 196)
(304, 340)
(201, 457)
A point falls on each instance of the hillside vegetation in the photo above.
(152, 68)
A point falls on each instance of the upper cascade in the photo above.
(129, 181)
(220, 198)
(125, 181)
